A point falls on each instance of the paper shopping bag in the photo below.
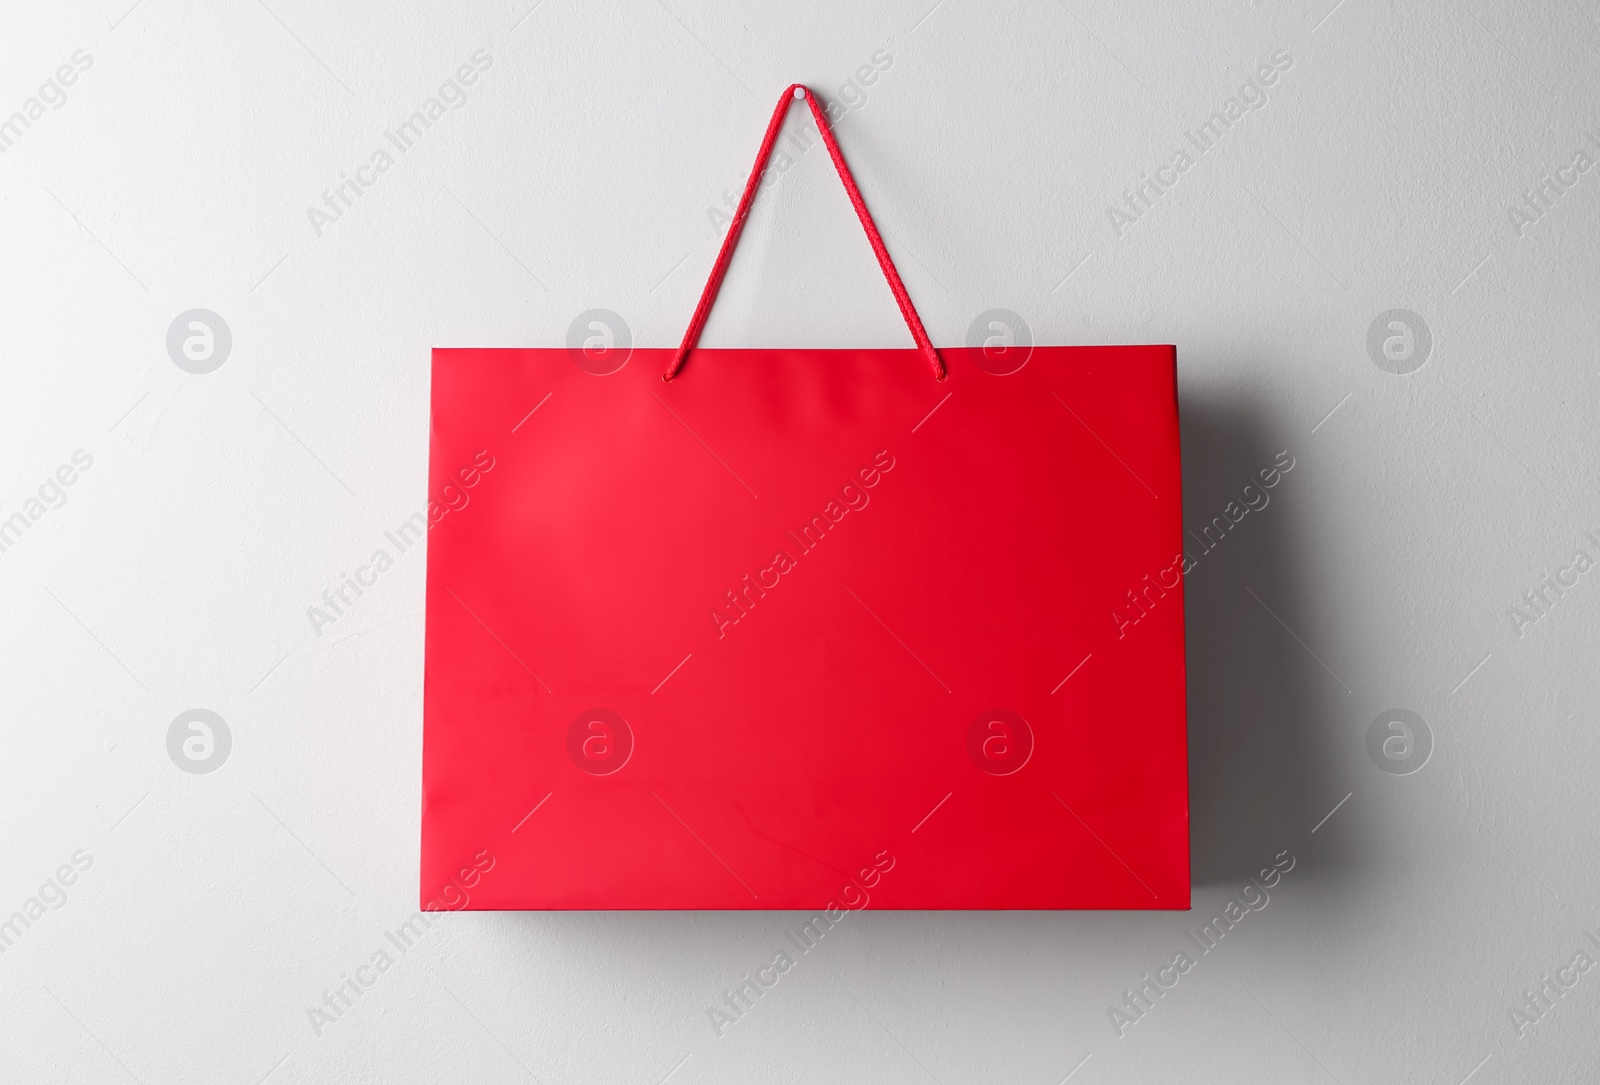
(819, 629)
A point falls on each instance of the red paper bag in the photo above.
(820, 629)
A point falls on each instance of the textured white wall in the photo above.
(208, 912)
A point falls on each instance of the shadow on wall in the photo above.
(1262, 719)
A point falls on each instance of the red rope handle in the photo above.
(709, 296)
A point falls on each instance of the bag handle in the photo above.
(709, 296)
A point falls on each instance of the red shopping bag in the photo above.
(819, 629)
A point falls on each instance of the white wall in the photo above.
(1379, 175)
